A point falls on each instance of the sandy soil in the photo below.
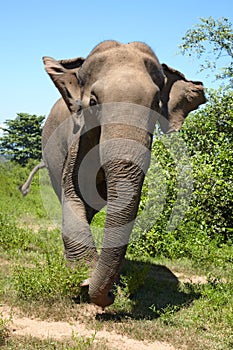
(23, 326)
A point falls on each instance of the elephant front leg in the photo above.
(76, 233)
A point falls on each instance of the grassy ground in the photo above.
(151, 301)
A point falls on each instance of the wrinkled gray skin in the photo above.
(113, 72)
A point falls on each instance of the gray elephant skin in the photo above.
(96, 145)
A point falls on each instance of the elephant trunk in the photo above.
(125, 162)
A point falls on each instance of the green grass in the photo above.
(4, 330)
(75, 343)
(151, 302)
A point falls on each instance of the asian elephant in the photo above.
(96, 145)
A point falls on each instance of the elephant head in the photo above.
(111, 81)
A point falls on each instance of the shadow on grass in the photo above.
(159, 293)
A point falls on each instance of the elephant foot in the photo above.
(103, 300)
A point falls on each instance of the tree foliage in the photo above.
(208, 135)
(212, 40)
(21, 139)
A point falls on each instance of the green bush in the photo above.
(207, 135)
(13, 237)
(48, 278)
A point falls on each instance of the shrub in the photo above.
(13, 237)
(48, 278)
(208, 137)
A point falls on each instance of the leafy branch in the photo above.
(212, 39)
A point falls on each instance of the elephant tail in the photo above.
(25, 188)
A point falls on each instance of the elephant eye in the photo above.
(93, 101)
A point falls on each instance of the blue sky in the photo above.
(30, 29)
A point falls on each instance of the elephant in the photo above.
(96, 146)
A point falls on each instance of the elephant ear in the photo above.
(64, 75)
(179, 96)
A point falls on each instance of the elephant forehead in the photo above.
(107, 59)
(105, 46)
(110, 44)
(117, 56)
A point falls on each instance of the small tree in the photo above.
(208, 135)
(212, 40)
(21, 139)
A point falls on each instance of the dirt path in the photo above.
(23, 326)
